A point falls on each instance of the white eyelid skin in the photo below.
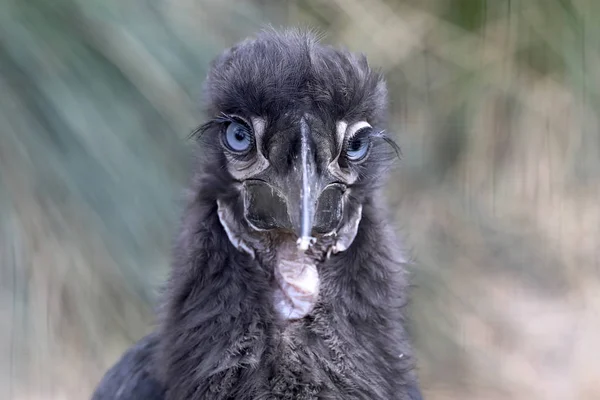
(242, 170)
(351, 131)
(343, 133)
(340, 131)
(259, 125)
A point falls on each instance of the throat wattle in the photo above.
(296, 282)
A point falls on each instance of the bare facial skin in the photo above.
(295, 270)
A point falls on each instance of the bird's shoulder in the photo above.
(414, 392)
(132, 377)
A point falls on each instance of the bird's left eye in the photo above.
(358, 147)
(238, 137)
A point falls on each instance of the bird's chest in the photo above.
(302, 362)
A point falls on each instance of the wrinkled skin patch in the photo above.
(297, 281)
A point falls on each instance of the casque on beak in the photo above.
(303, 201)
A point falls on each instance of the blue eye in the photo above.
(358, 147)
(238, 137)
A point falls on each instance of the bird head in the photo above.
(295, 145)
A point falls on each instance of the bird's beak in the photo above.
(320, 203)
(309, 186)
(303, 202)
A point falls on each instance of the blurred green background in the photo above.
(495, 105)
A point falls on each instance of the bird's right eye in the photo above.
(238, 137)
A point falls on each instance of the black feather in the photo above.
(132, 377)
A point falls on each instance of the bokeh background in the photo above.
(495, 104)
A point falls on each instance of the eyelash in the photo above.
(225, 119)
(362, 133)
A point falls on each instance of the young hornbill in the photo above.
(286, 280)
